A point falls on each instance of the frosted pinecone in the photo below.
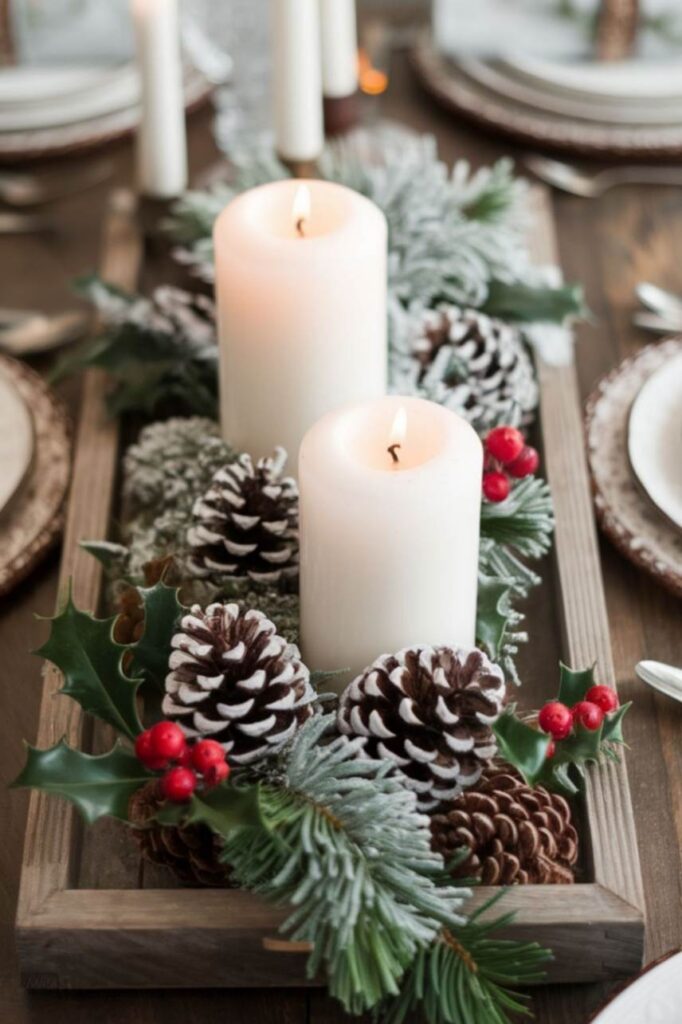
(430, 710)
(233, 679)
(246, 524)
(472, 363)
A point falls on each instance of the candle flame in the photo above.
(300, 210)
(372, 80)
(397, 435)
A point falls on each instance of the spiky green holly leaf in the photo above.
(521, 745)
(493, 612)
(99, 785)
(530, 303)
(612, 729)
(222, 809)
(162, 609)
(84, 650)
(574, 684)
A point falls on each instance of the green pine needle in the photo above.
(346, 850)
(515, 529)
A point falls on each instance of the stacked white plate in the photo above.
(46, 110)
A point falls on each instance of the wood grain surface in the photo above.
(609, 244)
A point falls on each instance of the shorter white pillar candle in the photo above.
(297, 77)
(300, 271)
(390, 501)
(162, 143)
(339, 48)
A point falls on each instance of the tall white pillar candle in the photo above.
(162, 144)
(339, 48)
(300, 273)
(297, 77)
(390, 500)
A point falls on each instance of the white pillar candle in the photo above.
(300, 273)
(162, 144)
(339, 48)
(297, 77)
(389, 535)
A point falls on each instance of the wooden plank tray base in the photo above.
(91, 916)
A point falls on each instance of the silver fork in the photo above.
(590, 185)
(23, 223)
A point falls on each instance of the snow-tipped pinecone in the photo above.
(234, 679)
(515, 833)
(474, 364)
(430, 710)
(246, 524)
(192, 852)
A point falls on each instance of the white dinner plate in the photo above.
(46, 97)
(655, 997)
(500, 79)
(655, 438)
(624, 80)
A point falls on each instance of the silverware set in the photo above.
(590, 185)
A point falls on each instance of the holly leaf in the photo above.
(521, 745)
(574, 684)
(492, 614)
(517, 301)
(612, 728)
(222, 809)
(162, 610)
(84, 650)
(99, 785)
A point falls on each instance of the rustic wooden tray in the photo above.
(90, 915)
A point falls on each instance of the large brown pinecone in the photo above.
(246, 524)
(191, 852)
(476, 365)
(515, 833)
(429, 709)
(234, 679)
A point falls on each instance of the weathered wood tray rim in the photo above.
(117, 938)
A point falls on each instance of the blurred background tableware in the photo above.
(27, 189)
(625, 511)
(653, 997)
(35, 445)
(666, 679)
(25, 333)
(590, 185)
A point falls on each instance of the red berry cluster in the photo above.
(559, 720)
(163, 748)
(506, 455)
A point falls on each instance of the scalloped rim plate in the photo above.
(655, 438)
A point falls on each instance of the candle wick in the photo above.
(300, 224)
(392, 448)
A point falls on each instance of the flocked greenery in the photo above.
(334, 838)
(515, 531)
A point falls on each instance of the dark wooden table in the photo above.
(609, 244)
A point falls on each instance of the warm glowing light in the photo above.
(372, 81)
(397, 435)
(300, 211)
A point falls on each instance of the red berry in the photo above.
(505, 443)
(185, 759)
(524, 464)
(496, 487)
(551, 749)
(145, 753)
(555, 718)
(216, 773)
(167, 740)
(604, 697)
(178, 784)
(587, 714)
(206, 754)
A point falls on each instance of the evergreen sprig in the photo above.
(516, 529)
(347, 850)
(469, 975)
